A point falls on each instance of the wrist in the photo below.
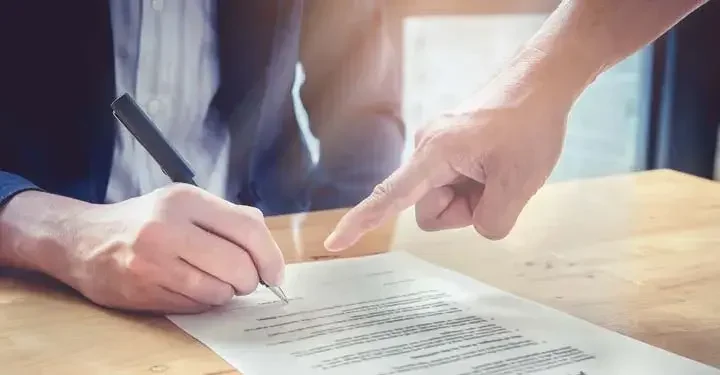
(36, 230)
(566, 63)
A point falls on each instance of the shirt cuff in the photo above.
(11, 185)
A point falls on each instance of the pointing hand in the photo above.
(476, 168)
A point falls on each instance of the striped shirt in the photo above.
(166, 58)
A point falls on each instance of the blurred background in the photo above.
(656, 109)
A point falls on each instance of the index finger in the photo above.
(407, 185)
(245, 227)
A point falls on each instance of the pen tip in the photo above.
(277, 291)
(283, 296)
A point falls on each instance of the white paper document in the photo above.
(394, 314)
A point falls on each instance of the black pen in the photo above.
(129, 113)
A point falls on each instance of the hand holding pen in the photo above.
(226, 246)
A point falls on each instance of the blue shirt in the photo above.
(166, 58)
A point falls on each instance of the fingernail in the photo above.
(280, 279)
(274, 279)
(331, 242)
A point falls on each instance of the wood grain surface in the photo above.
(638, 254)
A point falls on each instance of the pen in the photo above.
(129, 113)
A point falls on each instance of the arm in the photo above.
(580, 40)
(10, 186)
(481, 166)
(352, 97)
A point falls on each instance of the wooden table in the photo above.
(638, 254)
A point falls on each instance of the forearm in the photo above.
(583, 38)
(607, 31)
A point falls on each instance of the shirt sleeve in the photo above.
(11, 185)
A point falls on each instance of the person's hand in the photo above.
(178, 249)
(477, 167)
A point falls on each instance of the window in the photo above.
(448, 57)
(451, 48)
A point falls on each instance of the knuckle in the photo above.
(472, 166)
(387, 193)
(381, 190)
(370, 214)
(247, 279)
(149, 235)
(432, 130)
(253, 223)
(491, 233)
(222, 294)
(422, 218)
(137, 269)
(423, 137)
(255, 237)
(254, 214)
(191, 281)
(505, 183)
(177, 194)
(424, 223)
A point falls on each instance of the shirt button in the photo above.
(153, 107)
(158, 5)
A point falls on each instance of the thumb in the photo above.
(402, 189)
(499, 207)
